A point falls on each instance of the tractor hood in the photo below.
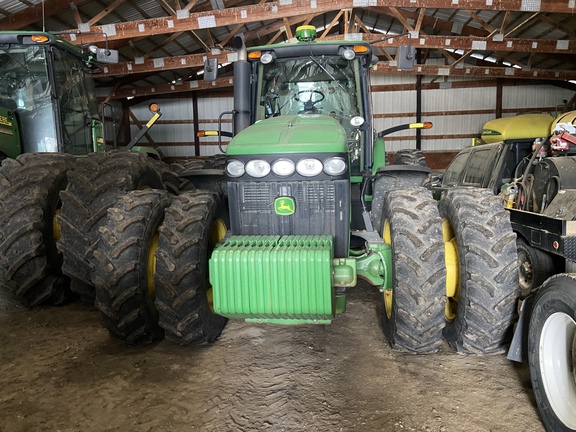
(306, 133)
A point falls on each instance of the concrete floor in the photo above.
(61, 371)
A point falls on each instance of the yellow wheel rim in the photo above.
(217, 233)
(452, 270)
(56, 232)
(152, 265)
(388, 294)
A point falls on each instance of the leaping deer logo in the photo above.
(284, 206)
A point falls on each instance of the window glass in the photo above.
(314, 85)
(26, 90)
(478, 166)
(77, 103)
(454, 171)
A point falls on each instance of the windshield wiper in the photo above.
(326, 70)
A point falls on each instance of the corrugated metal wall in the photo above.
(174, 133)
(458, 114)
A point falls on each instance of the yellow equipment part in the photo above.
(517, 127)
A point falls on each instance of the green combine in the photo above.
(49, 120)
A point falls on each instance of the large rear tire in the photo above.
(409, 157)
(124, 275)
(29, 202)
(552, 352)
(194, 223)
(413, 311)
(93, 187)
(482, 285)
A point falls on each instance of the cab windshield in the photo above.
(313, 85)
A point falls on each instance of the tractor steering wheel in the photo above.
(309, 105)
(322, 96)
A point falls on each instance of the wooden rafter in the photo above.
(261, 12)
(381, 68)
(35, 13)
(105, 12)
(425, 42)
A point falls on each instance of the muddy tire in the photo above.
(483, 311)
(535, 266)
(552, 352)
(187, 237)
(409, 157)
(217, 161)
(93, 187)
(30, 264)
(210, 174)
(413, 313)
(123, 276)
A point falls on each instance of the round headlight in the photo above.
(235, 168)
(258, 168)
(357, 121)
(266, 58)
(309, 167)
(348, 54)
(283, 167)
(334, 166)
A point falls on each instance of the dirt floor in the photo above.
(61, 371)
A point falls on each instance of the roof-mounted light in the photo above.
(359, 49)
(267, 57)
(39, 38)
(348, 54)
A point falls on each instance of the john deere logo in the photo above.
(284, 206)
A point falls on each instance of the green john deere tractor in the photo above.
(48, 120)
(305, 207)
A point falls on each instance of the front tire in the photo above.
(552, 352)
(412, 312)
(93, 187)
(195, 222)
(482, 286)
(124, 275)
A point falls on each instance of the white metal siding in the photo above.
(390, 108)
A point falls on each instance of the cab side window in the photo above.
(479, 165)
(453, 173)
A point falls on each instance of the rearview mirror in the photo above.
(406, 57)
(210, 69)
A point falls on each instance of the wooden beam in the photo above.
(105, 12)
(425, 42)
(381, 68)
(188, 86)
(262, 12)
(34, 14)
(480, 71)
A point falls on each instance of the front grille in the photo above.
(322, 207)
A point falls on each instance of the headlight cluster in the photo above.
(306, 167)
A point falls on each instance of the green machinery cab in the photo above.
(47, 98)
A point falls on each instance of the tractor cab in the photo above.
(316, 78)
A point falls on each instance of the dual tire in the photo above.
(30, 264)
(455, 271)
(152, 281)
